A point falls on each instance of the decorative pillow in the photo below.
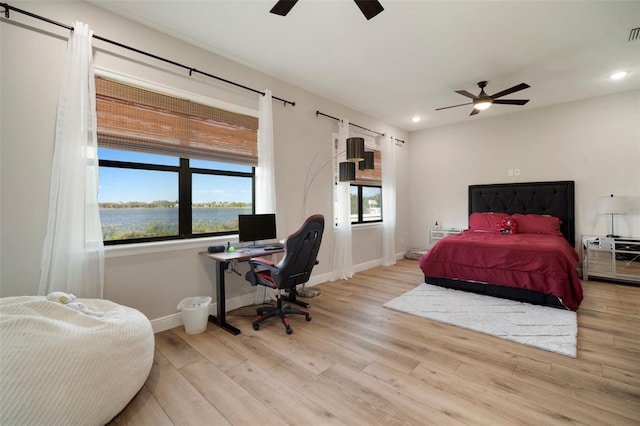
(486, 222)
(538, 224)
(507, 226)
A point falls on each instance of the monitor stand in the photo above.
(255, 246)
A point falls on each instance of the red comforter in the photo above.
(543, 263)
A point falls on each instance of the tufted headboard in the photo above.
(547, 198)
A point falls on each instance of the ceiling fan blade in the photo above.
(474, 111)
(510, 90)
(467, 94)
(369, 8)
(453, 106)
(283, 7)
(510, 101)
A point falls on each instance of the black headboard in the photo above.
(549, 198)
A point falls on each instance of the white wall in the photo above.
(595, 142)
(153, 282)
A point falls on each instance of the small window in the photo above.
(366, 203)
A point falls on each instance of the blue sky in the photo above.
(118, 185)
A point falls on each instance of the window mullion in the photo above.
(184, 199)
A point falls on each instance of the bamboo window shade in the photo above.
(371, 176)
(135, 119)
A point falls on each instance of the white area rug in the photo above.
(543, 327)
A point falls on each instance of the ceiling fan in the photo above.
(484, 101)
(369, 8)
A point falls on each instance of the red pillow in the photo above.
(485, 221)
(507, 226)
(538, 224)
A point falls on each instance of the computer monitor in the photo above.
(256, 227)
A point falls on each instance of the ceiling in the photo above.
(409, 59)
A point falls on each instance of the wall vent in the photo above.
(634, 34)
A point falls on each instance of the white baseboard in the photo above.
(175, 320)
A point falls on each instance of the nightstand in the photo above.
(438, 234)
(611, 259)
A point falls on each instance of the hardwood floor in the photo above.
(357, 363)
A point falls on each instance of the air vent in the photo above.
(634, 34)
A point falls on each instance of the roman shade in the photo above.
(135, 119)
(371, 176)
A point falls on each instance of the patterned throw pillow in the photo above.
(507, 226)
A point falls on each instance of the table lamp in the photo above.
(612, 206)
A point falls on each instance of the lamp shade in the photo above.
(368, 162)
(347, 171)
(355, 149)
(612, 205)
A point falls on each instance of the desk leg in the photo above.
(221, 301)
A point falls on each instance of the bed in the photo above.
(535, 264)
(63, 366)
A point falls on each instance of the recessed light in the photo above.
(416, 119)
(618, 75)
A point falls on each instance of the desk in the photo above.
(223, 259)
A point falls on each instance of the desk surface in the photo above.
(240, 254)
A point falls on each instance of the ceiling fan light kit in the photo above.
(484, 101)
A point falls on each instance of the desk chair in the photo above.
(300, 256)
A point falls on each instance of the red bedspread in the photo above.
(543, 263)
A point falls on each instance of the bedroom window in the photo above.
(366, 204)
(366, 192)
(171, 168)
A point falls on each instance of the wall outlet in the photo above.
(516, 172)
(510, 172)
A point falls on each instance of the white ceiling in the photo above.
(411, 58)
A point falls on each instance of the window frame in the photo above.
(360, 220)
(185, 196)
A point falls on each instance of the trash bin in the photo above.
(195, 313)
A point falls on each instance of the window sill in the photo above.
(357, 226)
(164, 246)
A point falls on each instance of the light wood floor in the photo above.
(357, 363)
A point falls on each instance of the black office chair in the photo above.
(300, 256)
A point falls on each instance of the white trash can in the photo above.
(195, 313)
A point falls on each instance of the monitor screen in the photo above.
(256, 227)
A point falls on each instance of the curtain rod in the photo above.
(352, 124)
(192, 70)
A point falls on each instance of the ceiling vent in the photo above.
(634, 34)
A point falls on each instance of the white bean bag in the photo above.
(59, 366)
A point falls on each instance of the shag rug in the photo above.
(551, 329)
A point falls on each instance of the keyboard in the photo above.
(270, 248)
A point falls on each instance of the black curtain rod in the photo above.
(399, 140)
(351, 124)
(192, 70)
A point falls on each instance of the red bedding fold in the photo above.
(543, 263)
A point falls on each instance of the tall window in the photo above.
(366, 192)
(171, 168)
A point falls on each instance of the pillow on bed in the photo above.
(538, 224)
(487, 222)
(508, 225)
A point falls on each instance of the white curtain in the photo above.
(73, 252)
(265, 173)
(342, 254)
(388, 200)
